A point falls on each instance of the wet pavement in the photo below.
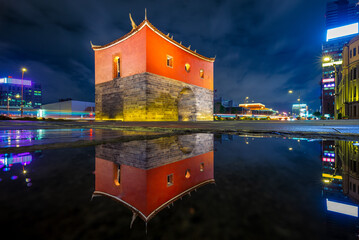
(196, 186)
(310, 128)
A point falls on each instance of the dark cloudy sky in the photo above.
(263, 48)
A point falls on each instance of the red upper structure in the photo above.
(146, 192)
(146, 49)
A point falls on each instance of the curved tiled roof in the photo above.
(166, 37)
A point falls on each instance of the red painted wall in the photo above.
(157, 51)
(132, 52)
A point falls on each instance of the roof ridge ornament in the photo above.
(92, 45)
(132, 22)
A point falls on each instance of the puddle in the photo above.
(197, 186)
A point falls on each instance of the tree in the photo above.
(317, 114)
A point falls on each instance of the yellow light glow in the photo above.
(326, 59)
(17, 95)
(331, 176)
(332, 63)
(290, 91)
(24, 171)
(24, 69)
(298, 99)
(290, 149)
(326, 181)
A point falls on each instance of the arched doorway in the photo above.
(186, 105)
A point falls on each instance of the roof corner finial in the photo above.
(132, 22)
(145, 13)
(168, 34)
(92, 45)
(181, 42)
(172, 37)
(189, 47)
(195, 50)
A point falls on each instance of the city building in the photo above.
(68, 109)
(341, 25)
(300, 110)
(13, 90)
(144, 177)
(347, 85)
(148, 76)
(257, 109)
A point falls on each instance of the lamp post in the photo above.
(298, 99)
(23, 70)
(246, 99)
(8, 99)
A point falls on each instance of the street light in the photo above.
(8, 105)
(8, 99)
(23, 70)
(326, 59)
(298, 99)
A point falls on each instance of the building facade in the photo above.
(341, 25)
(147, 76)
(347, 99)
(11, 90)
(69, 109)
(300, 110)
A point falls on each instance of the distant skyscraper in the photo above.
(341, 25)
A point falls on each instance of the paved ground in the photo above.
(20, 136)
(328, 127)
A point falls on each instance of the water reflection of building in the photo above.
(347, 152)
(17, 164)
(332, 174)
(340, 185)
(147, 176)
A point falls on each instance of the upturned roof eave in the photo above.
(166, 37)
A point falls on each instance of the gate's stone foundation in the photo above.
(150, 97)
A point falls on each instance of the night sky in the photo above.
(263, 48)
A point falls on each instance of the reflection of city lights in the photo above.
(290, 149)
(342, 208)
(326, 181)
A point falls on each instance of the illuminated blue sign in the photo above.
(342, 31)
(15, 81)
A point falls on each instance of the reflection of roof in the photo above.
(153, 28)
(154, 212)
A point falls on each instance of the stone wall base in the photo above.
(149, 97)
